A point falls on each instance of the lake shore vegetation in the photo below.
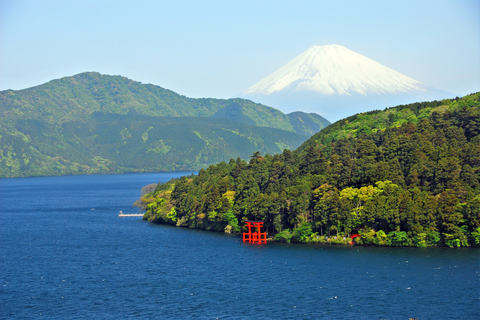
(404, 176)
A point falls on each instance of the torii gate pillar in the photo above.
(256, 236)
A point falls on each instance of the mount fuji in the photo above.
(336, 82)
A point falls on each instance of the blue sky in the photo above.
(219, 48)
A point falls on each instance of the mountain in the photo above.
(93, 123)
(405, 176)
(113, 143)
(304, 123)
(336, 82)
(77, 97)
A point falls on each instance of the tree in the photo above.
(302, 233)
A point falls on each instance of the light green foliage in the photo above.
(229, 215)
(419, 240)
(125, 134)
(281, 146)
(198, 134)
(284, 236)
(358, 240)
(302, 233)
(212, 215)
(158, 147)
(382, 185)
(368, 237)
(476, 236)
(455, 240)
(381, 238)
(172, 215)
(232, 221)
(145, 136)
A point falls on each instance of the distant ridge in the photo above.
(336, 82)
(92, 123)
(77, 97)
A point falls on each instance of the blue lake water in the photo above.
(65, 254)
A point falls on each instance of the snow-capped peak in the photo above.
(334, 70)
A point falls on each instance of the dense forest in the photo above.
(92, 123)
(404, 176)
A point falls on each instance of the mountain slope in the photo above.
(334, 69)
(374, 121)
(406, 176)
(77, 97)
(111, 143)
(307, 123)
(92, 123)
(337, 82)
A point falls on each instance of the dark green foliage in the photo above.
(410, 184)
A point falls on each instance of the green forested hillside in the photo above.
(307, 124)
(405, 176)
(110, 143)
(93, 123)
(77, 97)
(373, 121)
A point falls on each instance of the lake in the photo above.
(65, 254)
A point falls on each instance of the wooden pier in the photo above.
(130, 215)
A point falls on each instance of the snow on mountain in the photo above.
(337, 82)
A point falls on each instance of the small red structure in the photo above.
(256, 236)
(353, 236)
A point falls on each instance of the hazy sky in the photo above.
(219, 48)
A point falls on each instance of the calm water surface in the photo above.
(65, 254)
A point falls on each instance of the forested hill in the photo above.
(92, 123)
(76, 98)
(405, 176)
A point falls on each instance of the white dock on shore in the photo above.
(121, 214)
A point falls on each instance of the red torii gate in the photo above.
(256, 236)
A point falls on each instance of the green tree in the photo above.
(302, 233)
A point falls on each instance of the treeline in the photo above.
(411, 184)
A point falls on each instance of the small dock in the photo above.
(130, 214)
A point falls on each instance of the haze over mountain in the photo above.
(336, 82)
